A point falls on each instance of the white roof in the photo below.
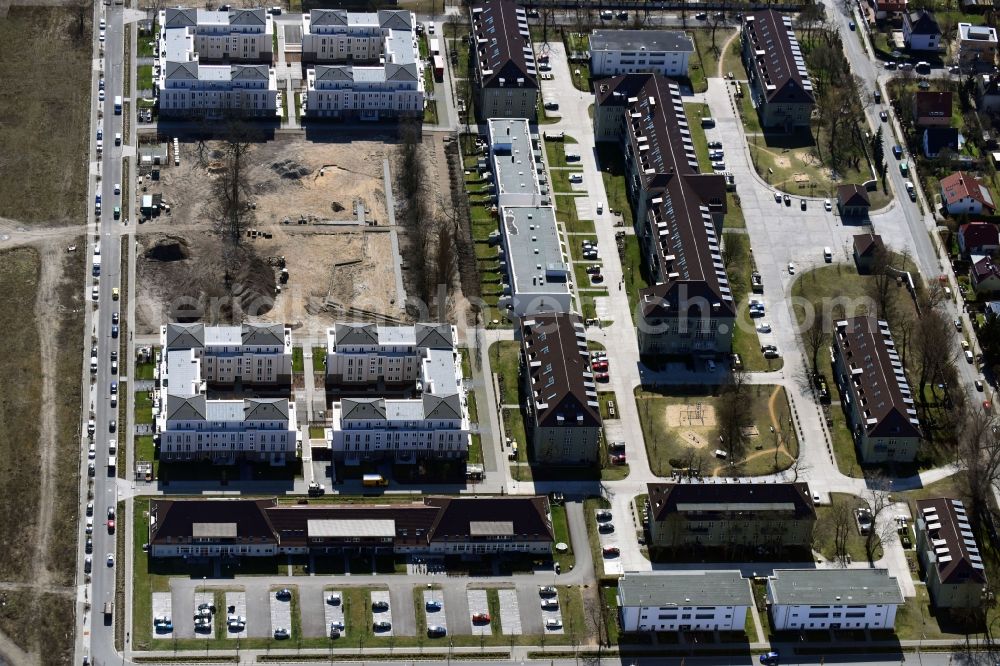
(351, 528)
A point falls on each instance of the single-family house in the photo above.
(978, 238)
(852, 201)
(866, 247)
(963, 194)
(932, 108)
(984, 274)
(977, 46)
(921, 31)
(937, 139)
(889, 8)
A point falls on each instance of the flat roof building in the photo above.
(801, 599)
(683, 601)
(614, 52)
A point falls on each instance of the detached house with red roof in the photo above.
(978, 238)
(876, 395)
(780, 87)
(932, 108)
(985, 275)
(963, 194)
(889, 8)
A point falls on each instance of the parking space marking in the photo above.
(479, 604)
(382, 616)
(281, 613)
(549, 615)
(237, 601)
(199, 599)
(613, 564)
(162, 603)
(334, 612)
(510, 613)
(435, 617)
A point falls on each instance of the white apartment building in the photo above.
(683, 601)
(245, 35)
(367, 64)
(832, 599)
(193, 427)
(188, 88)
(251, 354)
(664, 52)
(431, 422)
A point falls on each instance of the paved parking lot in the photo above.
(479, 604)
(549, 614)
(404, 612)
(199, 599)
(510, 612)
(437, 617)
(386, 615)
(334, 612)
(311, 611)
(162, 608)
(613, 564)
(237, 601)
(281, 613)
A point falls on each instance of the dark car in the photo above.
(769, 659)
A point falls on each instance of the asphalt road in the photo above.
(103, 230)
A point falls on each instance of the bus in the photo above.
(373, 480)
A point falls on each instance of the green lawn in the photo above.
(297, 364)
(544, 118)
(514, 428)
(146, 42)
(705, 64)
(824, 531)
(567, 214)
(555, 153)
(561, 529)
(632, 271)
(670, 439)
(746, 343)
(143, 407)
(145, 370)
(319, 359)
(144, 77)
(612, 166)
(694, 112)
(505, 360)
(734, 213)
(561, 183)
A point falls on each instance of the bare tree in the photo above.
(979, 457)
(733, 247)
(798, 467)
(232, 212)
(932, 346)
(734, 414)
(877, 499)
(815, 336)
(881, 288)
(842, 519)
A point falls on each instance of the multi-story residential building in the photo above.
(921, 31)
(984, 274)
(419, 360)
(194, 427)
(377, 72)
(251, 354)
(614, 52)
(188, 88)
(464, 526)
(963, 194)
(763, 517)
(949, 554)
(505, 73)
(878, 402)
(532, 253)
(237, 35)
(780, 88)
(832, 599)
(980, 238)
(683, 601)
(977, 46)
(689, 310)
(563, 415)
(932, 108)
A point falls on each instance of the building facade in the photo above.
(366, 65)
(948, 552)
(977, 46)
(436, 525)
(419, 364)
(505, 73)
(762, 517)
(875, 393)
(921, 31)
(982, 238)
(800, 599)
(238, 35)
(963, 194)
(689, 311)
(251, 354)
(664, 52)
(651, 601)
(563, 414)
(780, 88)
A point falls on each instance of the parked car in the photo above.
(436, 631)
(769, 659)
(283, 594)
(788, 200)
(281, 633)
(791, 268)
(603, 514)
(553, 623)
(333, 598)
(602, 377)
(606, 528)
(828, 205)
(883, 116)
(433, 605)
(550, 604)
(610, 551)
(546, 590)
(763, 327)
(480, 618)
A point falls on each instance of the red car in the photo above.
(480, 618)
(111, 527)
(600, 365)
(610, 551)
(618, 459)
(601, 376)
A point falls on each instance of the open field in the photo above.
(677, 427)
(45, 107)
(306, 194)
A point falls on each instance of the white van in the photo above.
(600, 207)
(827, 255)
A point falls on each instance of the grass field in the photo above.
(823, 532)
(45, 107)
(667, 442)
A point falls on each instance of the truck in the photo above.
(438, 68)
(434, 45)
(109, 612)
(118, 105)
(112, 464)
(97, 265)
(373, 481)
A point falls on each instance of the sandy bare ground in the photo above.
(693, 414)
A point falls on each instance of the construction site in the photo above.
(322, 237)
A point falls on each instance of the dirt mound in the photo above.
(171, 248)
(290, 169)
(337, 206)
